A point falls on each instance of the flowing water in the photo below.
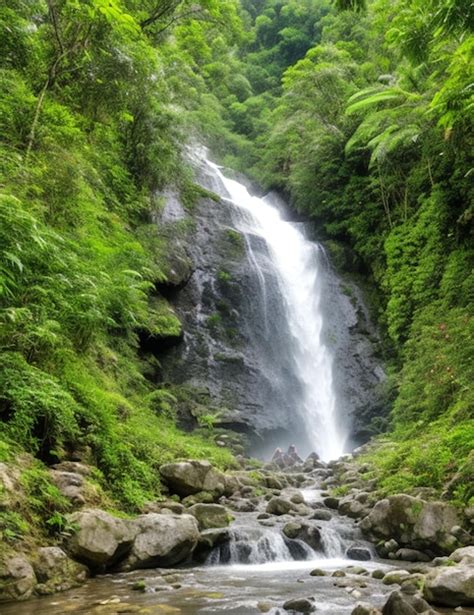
(297, 265)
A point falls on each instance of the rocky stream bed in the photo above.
(267, 540)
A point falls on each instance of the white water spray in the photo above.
(298, 270)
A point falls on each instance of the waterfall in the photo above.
(254, 545)
(296, 264)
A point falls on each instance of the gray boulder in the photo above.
(190, 477)
(210, 515)
(17, 578)
(331, 502)
(322, 515)
(300, 605)
(412, 555)
(365, 609)
(307, 532)
(56, 572)
(100, 539)
(361, 554)
(465, 555)
(397, 604)
(413, 523)
(280, 506)
(451, 585)
(161, 540)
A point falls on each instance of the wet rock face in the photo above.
(235, 347)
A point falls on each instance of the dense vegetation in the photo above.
(361, 114)
(89, 133)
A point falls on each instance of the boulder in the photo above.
(161, 540)
(413, 523)
(365, 609)
(352, 508)
(398, 604)
(208, 540)
(331, 502)
(465, 555)
(300, 605)
(56, 572)
(305, 532)
(280, 506)
(241, 505)
(191, 477)
(17, 578)
(451, 585)
(361, 554)
(100, 539)
(412, 555)
(321, 515)
(395, 576)
(210, 515)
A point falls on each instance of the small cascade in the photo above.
(334, 545)
(253, 545)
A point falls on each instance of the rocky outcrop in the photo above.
(161, 540)
(100, 539)
(56, 572)
(236, 328)
(414, 523)
(190, 477)
(17, 578)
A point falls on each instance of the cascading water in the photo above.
(296, 265)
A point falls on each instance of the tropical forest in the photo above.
(236, 307)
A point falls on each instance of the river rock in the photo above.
(365, 609)
(331, 502)
(358, 553)
(17, 578)
(161, 540)
(397, 604)
(190, 477)
(280, 506)
(56, 572)
(100, 539)
(306, 532)
(465, 555)
(241, 505)
(451, 585)
(395, 576)
(412, 555)
(208, 540)
(300, 605)
(321, 515)
(210, 515)
(413, 523)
